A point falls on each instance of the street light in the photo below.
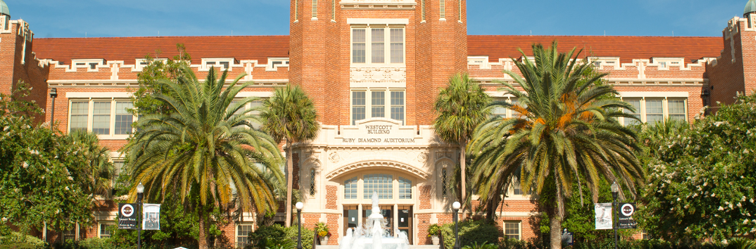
(615, 193)
(299, 224)
(53, 95)
(456, 207)
(140, 192)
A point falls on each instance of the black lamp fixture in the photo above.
(53, 95)
(140, 192)
(299, 205)
(615, 193)
(456, 207)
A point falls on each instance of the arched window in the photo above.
(350, 189)
(383, 184)
(405, 189)
(312, 181)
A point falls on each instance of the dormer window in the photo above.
(89, 64)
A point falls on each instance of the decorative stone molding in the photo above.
(378, 76)
(422, 157)
(375, 4)
(334, 157)
(377, 164)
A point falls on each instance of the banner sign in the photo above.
(603, 216)
(626, 220)
(151, 217)
(127, 216)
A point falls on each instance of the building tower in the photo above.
(412, 46)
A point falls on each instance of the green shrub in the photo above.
(20, 239)
(96, 243)
(19, 246)
(279, 237)
(470, 233)
(515, 244)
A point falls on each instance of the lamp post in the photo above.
(299, 224)
(456, 207)
(615, 193)
(53, 95)
(140, 192)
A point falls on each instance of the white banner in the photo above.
(151, 217)
(603, 216)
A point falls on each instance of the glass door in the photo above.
(405, 221)
(350, 217)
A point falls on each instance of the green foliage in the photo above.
(580, 217)
(484, 245)
(44, 176)
(277, 236)
(516, 244)
(471, 232)
(96, 243)
(178, 226)
(701, 181)
(21, 240)
(565, 131)
(322, 229)
(19, 246)
(155, 71)
(434, 229)
(461, 106)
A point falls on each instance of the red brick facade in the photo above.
(317, 55)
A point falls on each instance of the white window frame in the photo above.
(442, 10)
(386, 44)
(273, 66)
(236, 232)
(90, 115)
(519, 228)
(395, 197)
(99, 229)
(665, 96)
(369, 103)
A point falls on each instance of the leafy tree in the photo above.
(290, 116)
(207, 149)
(461, 107)
(701, 180)
(44, 177)
(565, 131)
(99, 168)
(156, 70)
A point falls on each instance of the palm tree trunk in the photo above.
(463, 174)
(202, 236)
(557, 216)
(289, 180)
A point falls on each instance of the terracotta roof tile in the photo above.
(130, 48)
(262, 47)
(625, 47)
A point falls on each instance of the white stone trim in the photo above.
(88, 95)
(654, 94)
(254, 94)
(376, 21)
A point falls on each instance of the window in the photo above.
(358, 106)
(459, 18)
(383, 184)
(79, 116)
(312, 181)
(422, 9)
(104, 117)
(378, 109)
(397, 106)
(350, 189)
(104, 231)
(296, 10)
(242, 235)
(377, 100)
(333, 10)
(405, 189)
(516, 189)
(512, 229)
(117, 171)
(378, 45)
(397, 45)
(636, 104)
(358, 46)
(68, 235)
(500, 111)
(124, 119)
(314, 9)
(443, 181)
(654, 111)
(371, 42)
(677, 109)
(218, 63)
(442, 8)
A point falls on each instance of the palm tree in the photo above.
(99, 169)
(290, 116)
(207, 149)
(461, 106)
(565, 131)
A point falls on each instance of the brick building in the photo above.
(373, 68)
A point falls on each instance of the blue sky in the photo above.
(107, 18)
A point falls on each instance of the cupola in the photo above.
(4, 8)
(749, 8)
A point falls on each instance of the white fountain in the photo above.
(373, 234)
